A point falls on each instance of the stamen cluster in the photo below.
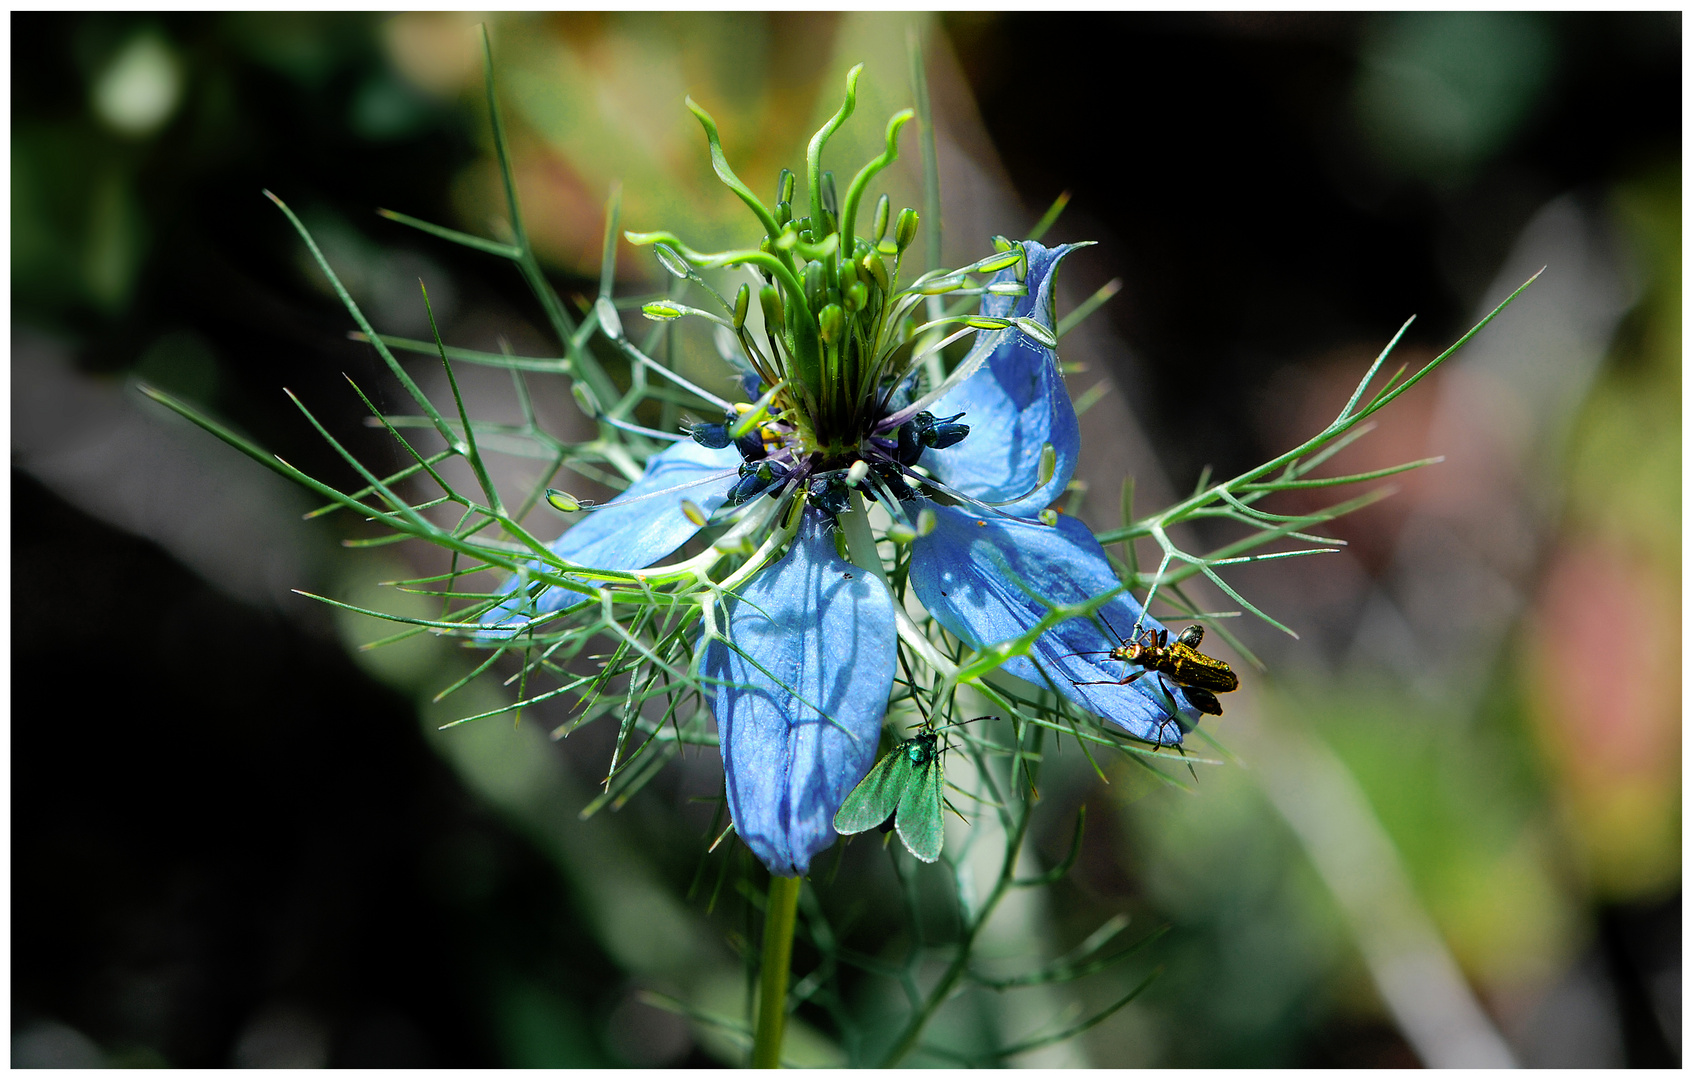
(836, 356)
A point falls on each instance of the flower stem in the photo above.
(773, 972)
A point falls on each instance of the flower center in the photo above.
(776, 454)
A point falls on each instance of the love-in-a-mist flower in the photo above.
(800, 642)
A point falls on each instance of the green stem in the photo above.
(773, 972)
(960, 964)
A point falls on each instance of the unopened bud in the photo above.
(829, 323)
(881, 228)
(855, 296)
(906, 230)
(876, 269)
(785, 186)
(770, 302)
(743, 300)
(784, 213)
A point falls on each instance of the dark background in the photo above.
(225, 831)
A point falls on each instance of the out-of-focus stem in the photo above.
(779, 915)
(1408, 960)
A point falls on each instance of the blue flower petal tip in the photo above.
(1018, 394)
(980, 574)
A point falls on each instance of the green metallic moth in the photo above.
(906, 785)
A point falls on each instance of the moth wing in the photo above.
(877, 796)
(919, 824)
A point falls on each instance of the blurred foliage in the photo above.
(1602, 664)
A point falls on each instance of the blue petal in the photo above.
(632, 531)
(961, 572)
(825, 630)
(1015, 403)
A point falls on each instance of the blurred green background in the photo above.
(1454, 828)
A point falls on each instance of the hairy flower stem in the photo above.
(779, 915)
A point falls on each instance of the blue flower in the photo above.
(805, 655)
